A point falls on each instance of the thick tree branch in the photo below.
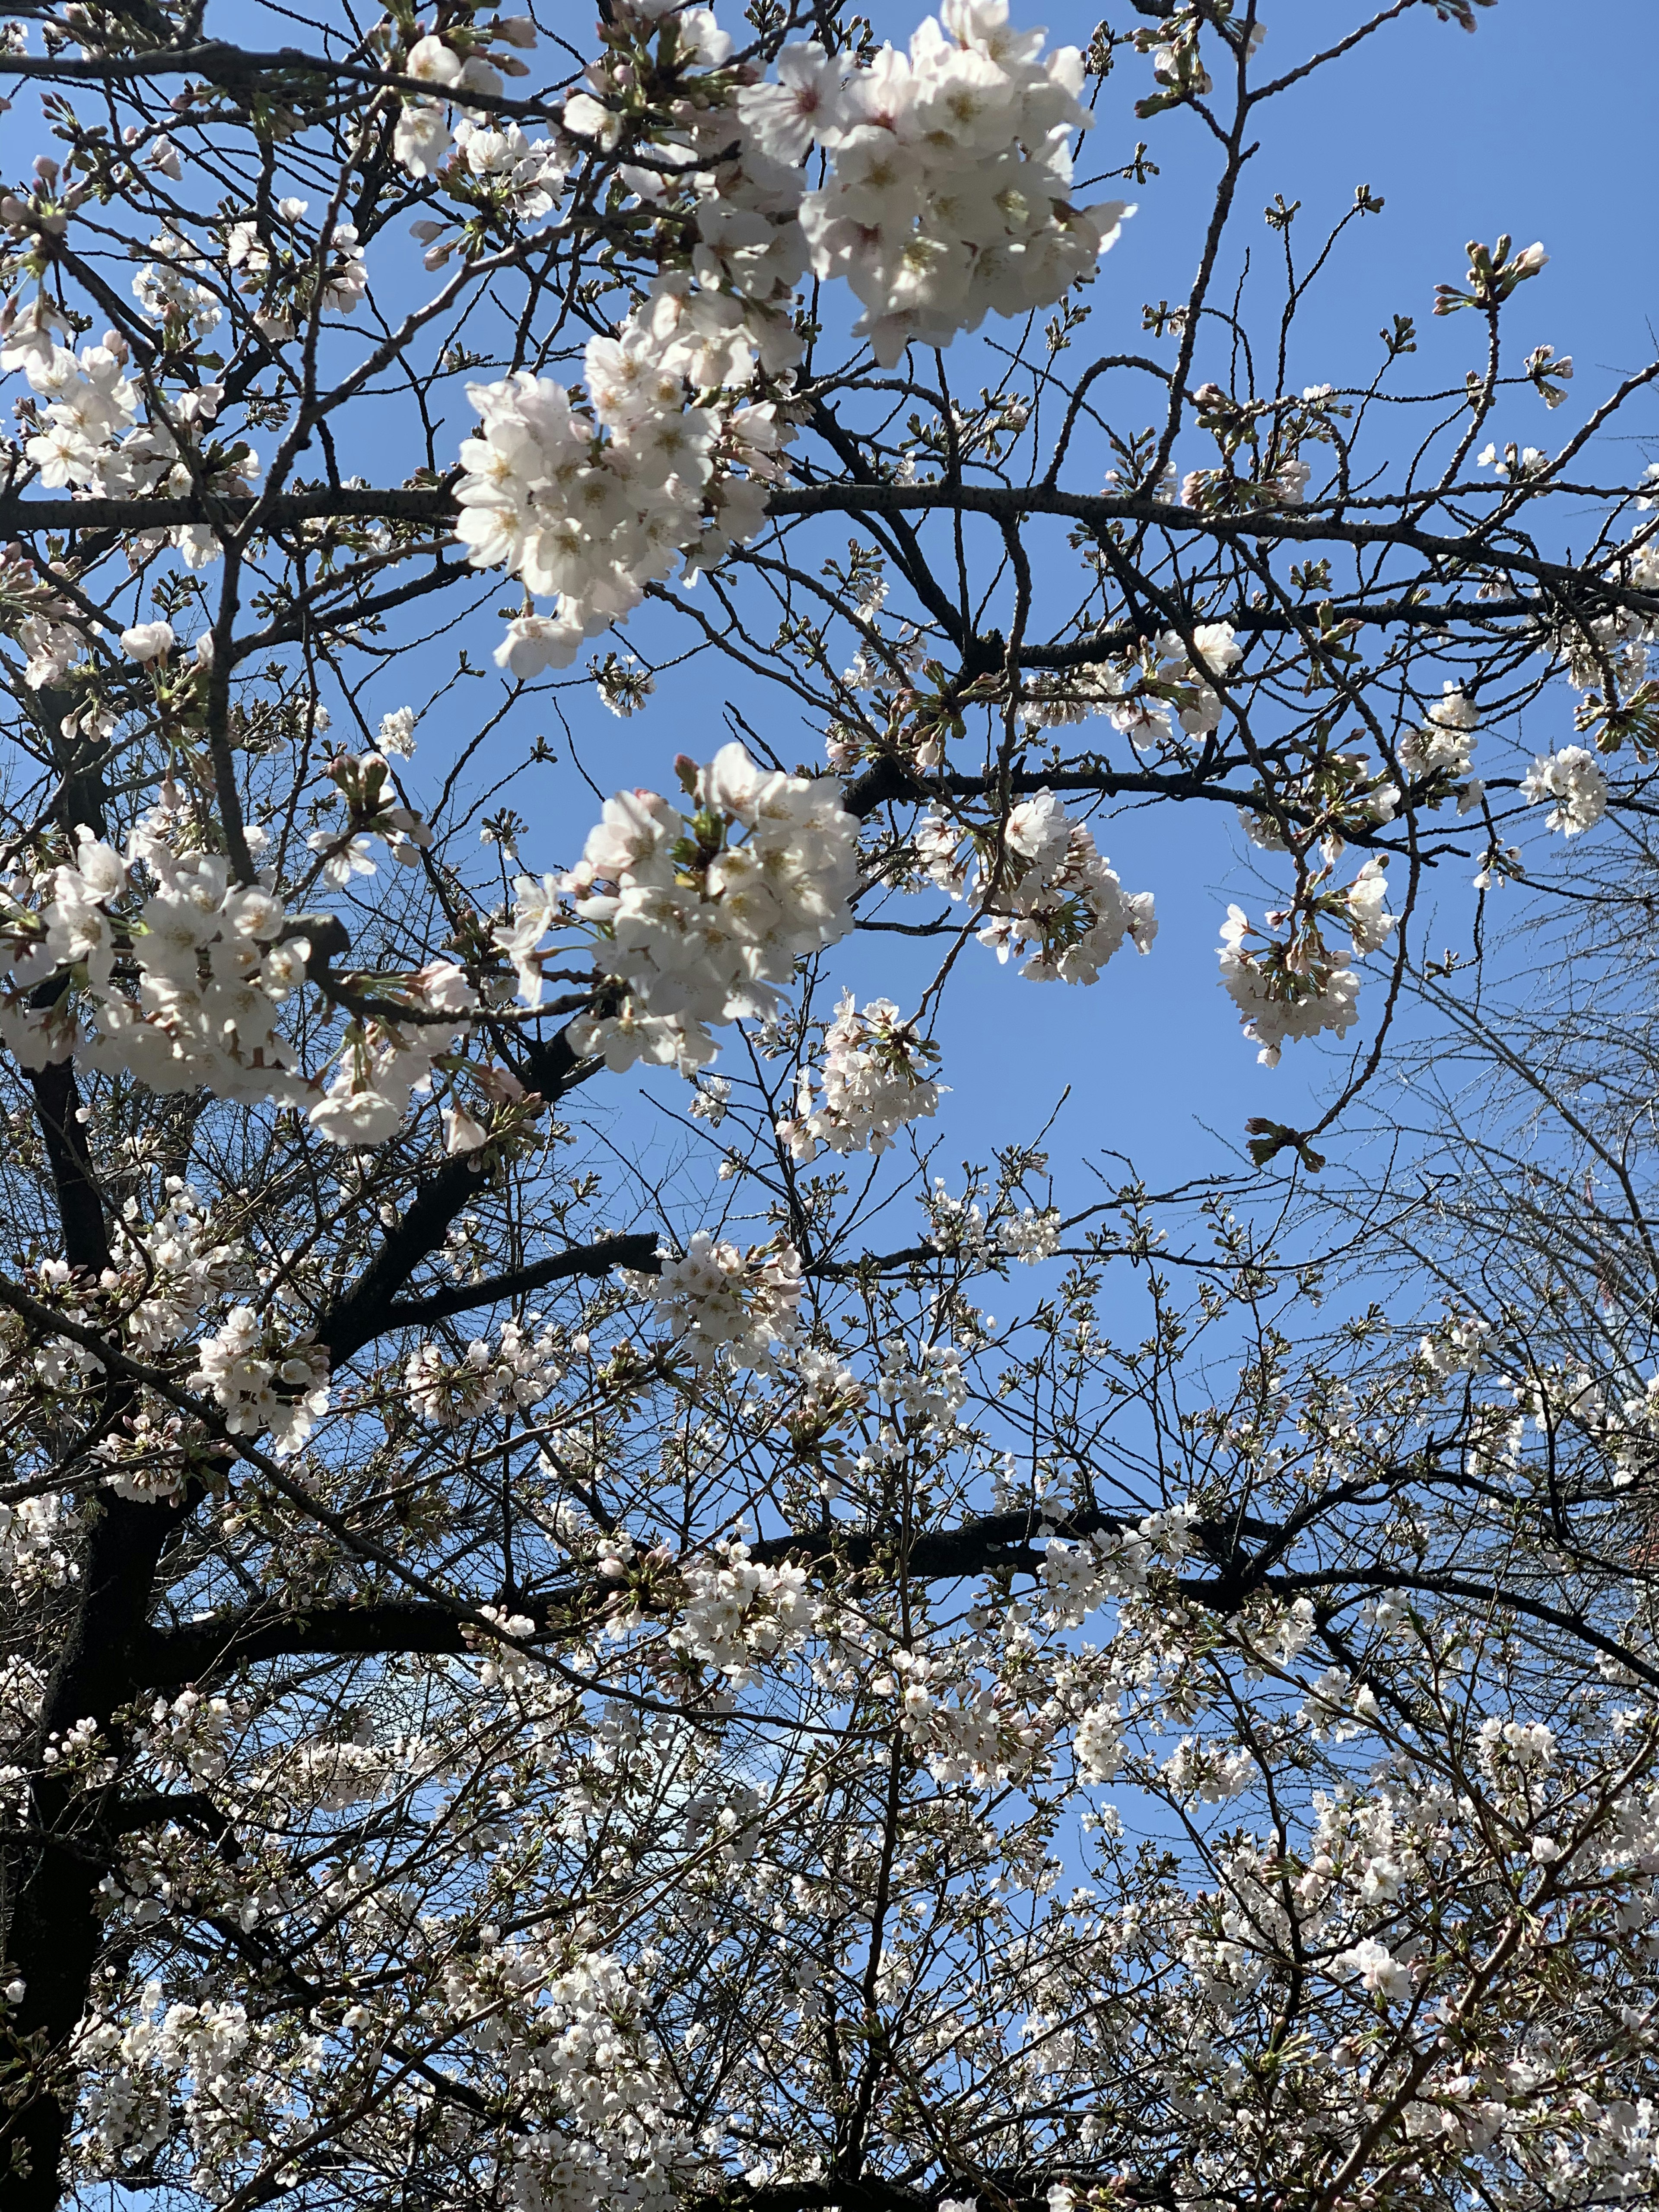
(362, 1311)
(242, 72)
(636, 1250)
(1305, 526)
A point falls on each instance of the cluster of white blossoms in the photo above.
(1440, 751)
(93, 438)
(697, 920)
(699, 926)
(949, 191)
(974, 1728)
(590, 497)
(948, 198)
(926, 1383)
(1286, 991)
(213, 965)
(184, 972)
(589, 508)
(1030, 1235)
(1098, 1743)
(42, 622)
(958, 1226)
(1576, 784)
(304, 277)
(90, 401)
(1113, 1563)
(1458, 1347)
(36, 1537)
(263, 1378)
(1147, 695)
(873, 1079)
(428, 128)
(722, 1303)
(736, 1611)
(1300, 985)
(169, 1279)
(518, 1371)
(1048, 891)
(190, 1737)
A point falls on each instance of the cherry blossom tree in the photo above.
(524, 1686)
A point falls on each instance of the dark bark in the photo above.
(639, 1250)
(53, 1929)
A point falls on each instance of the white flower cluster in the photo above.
(1207, 1773)
(1049, 893)
(213, 967)
(1144, 698)
(590, 502)
(395, 736)
(171, 297)
(588, 508)
(43, 624)
(958, 1226)
(1514, 464)
(215, 960)
(422, 143)
(90, 403)
(94, 439)
(578, 2027)
(200, 2054)
(737, 1611)
(1381, 1974)
(189, 1739)
(1078, 1577)
(1286, 992)
(518, 1371)
(699, 928)
(1575, 783)
(331, 1777)
(720, 1302)
(873, 1084)
(1441, 747)
(1098, 1742)
(948, 198)
(324, 274)
(35, 1536)
(1515, 1751)
(1457, 1348)
(949, 192)
(385, 1062)
(972, 1730)
(1302, 987)
(1031, 1236)
(926, 1383)
(263, 1377)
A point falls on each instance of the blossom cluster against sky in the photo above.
(1462, 137)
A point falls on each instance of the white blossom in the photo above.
(1575, 783)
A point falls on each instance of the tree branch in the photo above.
(635, 1250)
